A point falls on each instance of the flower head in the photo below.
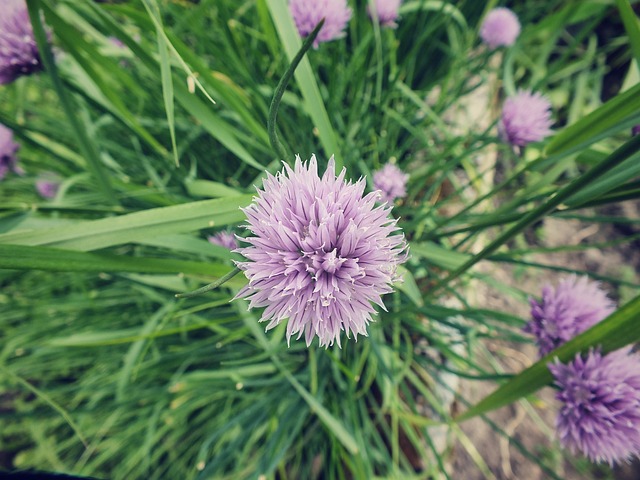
(635, 130)
(224, 239)
(47, 187)
(308, 13)
(18, 50)
(574, 306)
(500, 28)
(116, 42)
(8, 150)
(321, 253)
(600, 413)
(387, 12)
(526, 118)
(391, 181)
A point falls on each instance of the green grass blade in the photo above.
(618, 330)
(306, 80)
(22, 257)
(622, 110)
(165, 72)
(630, 21)
(334, 425)
(47, 399)
(87, 146)
(620, 155)
(96, 72)
(207, 188)
(609, 182)
(107, 232)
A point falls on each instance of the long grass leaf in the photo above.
(618, 330)
(305, 78)
(107, 232)
(87, 146)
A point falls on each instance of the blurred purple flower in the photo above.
(8, 150)
(600, 413)
(321, 253)
(308, 13)
(526, 118)
(387, 11)
(391, 181)
(47, 186)
(500, 28)
(18, 50)
(224, 239)
(116, 42)
(635, 130)
(574, 306)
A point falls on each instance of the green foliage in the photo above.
(160, 142)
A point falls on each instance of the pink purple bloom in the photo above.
(321, 253)
(635, 130)
(18, 50)
(308, 13)
(500, 28)
(116, 42)
(574, 306)
(387, 12)
(47, 186)
(600, 413)
(526, 118)
(391, 181)
(8, 151)
(224, 239)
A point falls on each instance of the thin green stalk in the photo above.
(87, 147)
(211, 286)
(46, 398)
(280, 89)
(534, 215)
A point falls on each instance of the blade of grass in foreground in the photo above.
(22, 257)
(332, 423)
(618, 330)
(107, 232)
(598, 124)
(87, 147)
(305, 78)
(165, 72)
(630, 21)
(616, 158)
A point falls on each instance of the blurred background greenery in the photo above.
(159, 137)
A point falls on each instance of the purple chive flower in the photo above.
(224, 239)
(47, 186)
(116, 42)
(391, 181)
(387, 12)
(321, 253)
(308, 13)
(600, 413)
(500, 28)
(526, 118)
(18, 50)
(574, 306)
(8, 150)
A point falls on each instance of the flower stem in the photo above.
(211, 286)
(280, 89)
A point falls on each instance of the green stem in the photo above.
(211, 286)
(88, 149)
(280, 89)
(534, 215)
